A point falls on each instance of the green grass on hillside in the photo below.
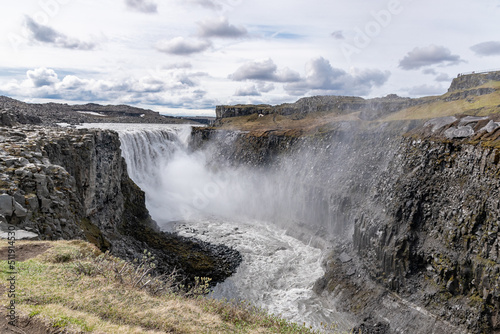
(72, 285)
(427, 108)
(437, 106)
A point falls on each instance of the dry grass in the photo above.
(74, 286)
(429, 107)
(483, 105)
(290, 124)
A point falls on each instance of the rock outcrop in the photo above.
(472, 80)
(58, 183)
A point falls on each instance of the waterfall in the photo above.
(247, 208)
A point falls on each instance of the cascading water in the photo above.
(249, 209)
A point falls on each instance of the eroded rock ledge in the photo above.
(58, 183)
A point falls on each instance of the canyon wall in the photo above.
(61, 183)
(407, 213)
(428, 230)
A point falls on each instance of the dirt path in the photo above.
(24, 325)
(24, 251)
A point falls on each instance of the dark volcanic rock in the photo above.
(412, 220)
(439, 227)
(60, 183)
(369, 326)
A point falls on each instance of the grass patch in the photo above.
(74, 286)
(295, 124)
(434, 107)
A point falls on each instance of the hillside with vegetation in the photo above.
(473, 95)
(72, 287)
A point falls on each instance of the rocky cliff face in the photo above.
(429, 229)
(73, 184)
(472, 80)
(412, 219)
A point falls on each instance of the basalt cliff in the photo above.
(59, 183)
(405, 199)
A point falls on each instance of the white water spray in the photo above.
(235, 206)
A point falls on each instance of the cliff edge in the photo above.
(58, 183)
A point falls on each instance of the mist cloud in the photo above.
(491, 48)
(427, 56)
(47, 35)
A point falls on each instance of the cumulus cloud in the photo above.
(265, 70)
(220, 27)
(322, 78)
(440, 77)
(265, 87)
(247, 91)
(491, 48)
(47, 35)
(178, 88)
(143, 6)
(42, 77)
(427, 56)
(72, 82)
(182, 46)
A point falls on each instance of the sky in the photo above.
(184, 57)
